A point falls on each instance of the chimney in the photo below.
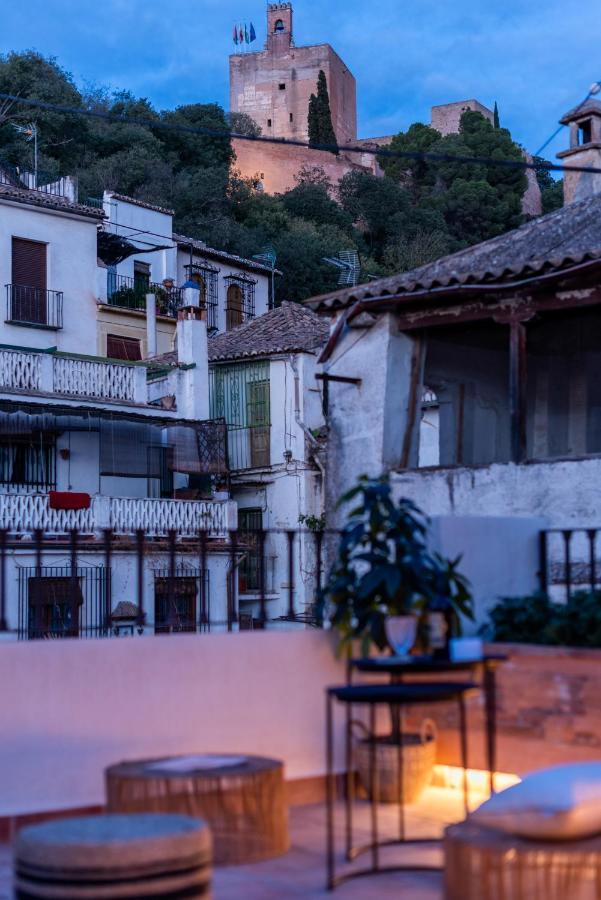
(193, 355)
(151, 325)
(585, 150)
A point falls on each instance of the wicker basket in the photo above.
(419, 756)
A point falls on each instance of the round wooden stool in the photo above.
(114, 857)
(244, 805)
(483, 864)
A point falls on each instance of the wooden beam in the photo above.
(517, 388)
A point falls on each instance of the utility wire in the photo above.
(332, 148)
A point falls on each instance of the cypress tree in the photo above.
(321, 130)
(497, 123)
(313, 121)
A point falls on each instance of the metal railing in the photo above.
(54, 587)
(568, 561)
(33, 306)
(126, 292)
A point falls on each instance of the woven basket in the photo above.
(419, 756)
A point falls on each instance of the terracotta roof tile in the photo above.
(290, 328)
(565, 237)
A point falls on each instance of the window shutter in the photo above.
(29, 263)
(118, 347)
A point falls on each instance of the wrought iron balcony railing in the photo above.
(126, 292)
(37, 181)
(33, 306)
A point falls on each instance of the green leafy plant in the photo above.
(384, 567)
(536, 619)
(313, 523)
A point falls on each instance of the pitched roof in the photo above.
(547, 244)
(212, 253)
(583, 109)
(135, 202)
(290, 328)
(48, 201)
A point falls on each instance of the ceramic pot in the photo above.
(401, 632)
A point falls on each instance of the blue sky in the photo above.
(537, 60)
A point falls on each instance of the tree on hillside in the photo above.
(496, 119)
(321, 130)
(551, 190)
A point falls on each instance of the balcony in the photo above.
(24, 513)
(34, 307)
(43, 182)
(125, 292)
(70, 376)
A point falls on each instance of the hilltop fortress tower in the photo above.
(273, 86)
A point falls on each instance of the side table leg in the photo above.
(463, 738)
(350, 783)
(490, 701)
(374, 788)
(401, 771)
(330, 797)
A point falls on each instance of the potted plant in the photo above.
(385, 576)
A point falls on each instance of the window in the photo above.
(54, 605)
(291, 117)
(250, 522)
(234, 312)
(467, 371)
(118, 347)
(282, 87)
(279, 27)
(28, 460)
(141, 277)
(240, 394)
(269, 123)
(27, 297)
(175, 603)
(585, 132)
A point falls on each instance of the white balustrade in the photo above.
(23, 513)
(158, 517)
(87, 378)
(20, 371)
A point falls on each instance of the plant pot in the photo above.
(419, 757)
(401, 632)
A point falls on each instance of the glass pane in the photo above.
(465, 416)
(564, 389)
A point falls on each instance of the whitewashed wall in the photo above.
(75, 707)
(71, 268)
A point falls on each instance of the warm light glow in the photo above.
(477, 779)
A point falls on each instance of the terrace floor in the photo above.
(301, 872)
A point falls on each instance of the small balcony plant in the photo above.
(385, 576)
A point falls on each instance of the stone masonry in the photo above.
(274, 85)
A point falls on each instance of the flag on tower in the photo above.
(246, 38)
(236, 35)
(253, 33)
(241, 38)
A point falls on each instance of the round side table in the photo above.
(244, 805)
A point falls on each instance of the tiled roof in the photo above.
(135, 202)
(547, 244)
(290, 328)
(47, 201)
(583, 109)
(212, 253)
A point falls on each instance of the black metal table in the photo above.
(392, 695)
(400, 668)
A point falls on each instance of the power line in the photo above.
(332, 148)
(594, 89)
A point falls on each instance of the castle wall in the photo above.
(274, 87)
(447, 117)
(277, 165)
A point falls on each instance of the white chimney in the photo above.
(151, 325)
(193, 352)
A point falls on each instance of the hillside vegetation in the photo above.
(416, 213)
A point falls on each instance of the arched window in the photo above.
(278, 28)
(234, 313)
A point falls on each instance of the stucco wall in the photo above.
(75, 707)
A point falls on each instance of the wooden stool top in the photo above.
(152, 768)
(111, 842)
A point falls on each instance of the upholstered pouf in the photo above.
(105, 857)
(485, 864)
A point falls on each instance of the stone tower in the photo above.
(273, 86)
(585, 150)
